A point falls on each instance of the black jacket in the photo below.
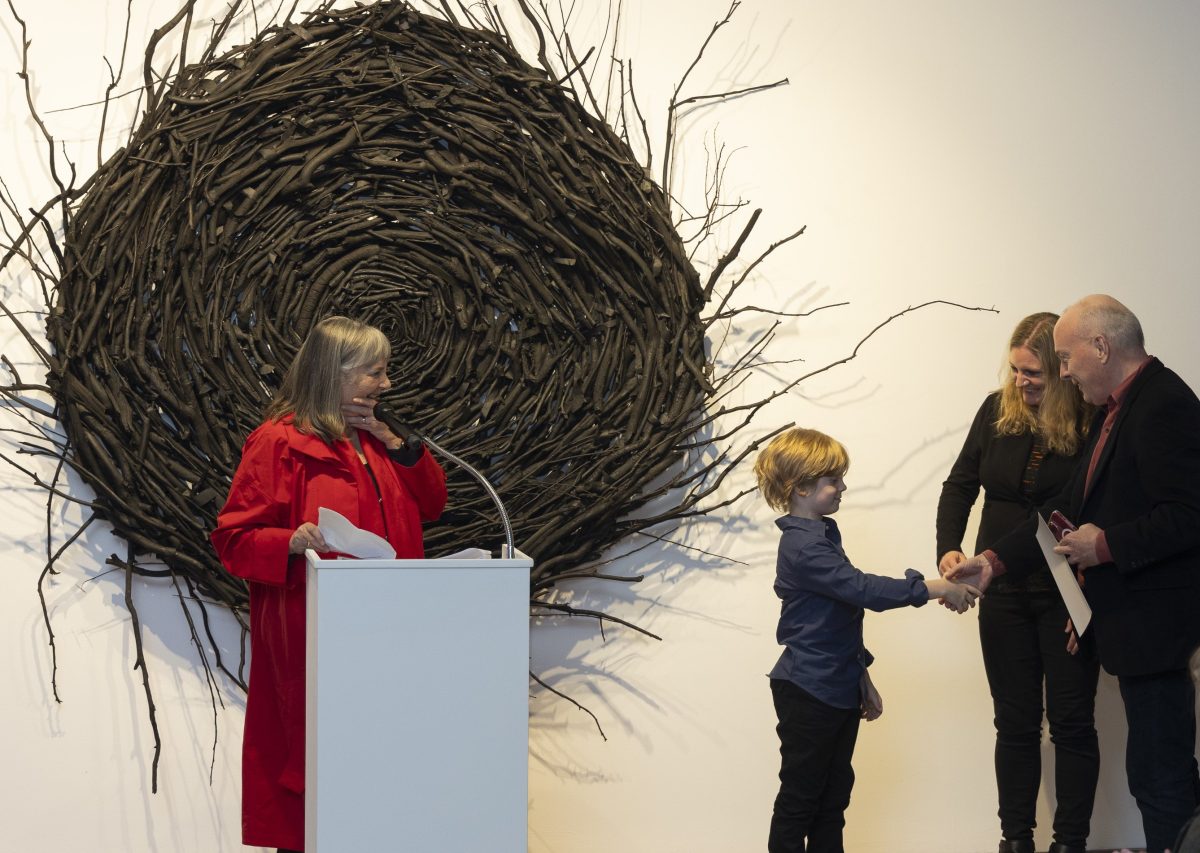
(1145, 496)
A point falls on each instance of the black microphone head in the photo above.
(410, 438)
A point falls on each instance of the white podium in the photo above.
(417, 705)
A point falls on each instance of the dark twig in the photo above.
(562, 695)
(140, 660)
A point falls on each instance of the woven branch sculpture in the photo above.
(419, 176)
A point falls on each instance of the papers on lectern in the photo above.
(469, 554)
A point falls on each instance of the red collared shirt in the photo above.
(1112, 407)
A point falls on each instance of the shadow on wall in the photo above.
(602, 666)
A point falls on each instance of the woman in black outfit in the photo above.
(1022, 446)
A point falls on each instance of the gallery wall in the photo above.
(1002, 156)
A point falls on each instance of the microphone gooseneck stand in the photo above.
(413, 439)
(507, 551)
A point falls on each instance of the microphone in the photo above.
(410, 438)
(414, 445)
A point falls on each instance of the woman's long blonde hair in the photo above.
(1062, 417)
(312, 387)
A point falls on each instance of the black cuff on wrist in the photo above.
(407, 454)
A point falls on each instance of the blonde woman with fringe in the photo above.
(1021, 449)
(319, 446)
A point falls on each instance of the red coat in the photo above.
(282, 480)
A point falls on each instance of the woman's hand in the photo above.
(307, 535)
(360, 414)
(949, 560)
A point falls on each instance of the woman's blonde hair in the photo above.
(1062, 416)
(312, 387)
(795, 460)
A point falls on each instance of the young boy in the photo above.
(820, 684)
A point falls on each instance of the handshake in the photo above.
(962, 580)
(959, 597)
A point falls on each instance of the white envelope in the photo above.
(342, 536)
(1064, 577)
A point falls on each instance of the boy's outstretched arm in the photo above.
(958, 596)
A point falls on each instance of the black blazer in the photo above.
(997, 463)
(1145, 496)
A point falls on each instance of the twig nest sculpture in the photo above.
(420, 176)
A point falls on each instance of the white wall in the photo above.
(1011, 155)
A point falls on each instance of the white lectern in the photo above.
(417, 705)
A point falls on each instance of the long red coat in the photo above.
(282, 480)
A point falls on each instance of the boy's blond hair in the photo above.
(795, 460)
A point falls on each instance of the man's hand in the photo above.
(976, 571)
(1079, 547)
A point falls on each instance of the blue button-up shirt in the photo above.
(821, 615)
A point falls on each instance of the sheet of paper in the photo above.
(343, 537)
(1064, 576)
(469, 554)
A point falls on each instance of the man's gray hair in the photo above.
(1103, 315)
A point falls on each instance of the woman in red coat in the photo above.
(320, 445)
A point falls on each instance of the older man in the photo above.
(1136, 499)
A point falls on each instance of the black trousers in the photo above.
(816, 743)
(1160, 760)
(1024, 648)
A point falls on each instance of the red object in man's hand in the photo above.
(1059, 525)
